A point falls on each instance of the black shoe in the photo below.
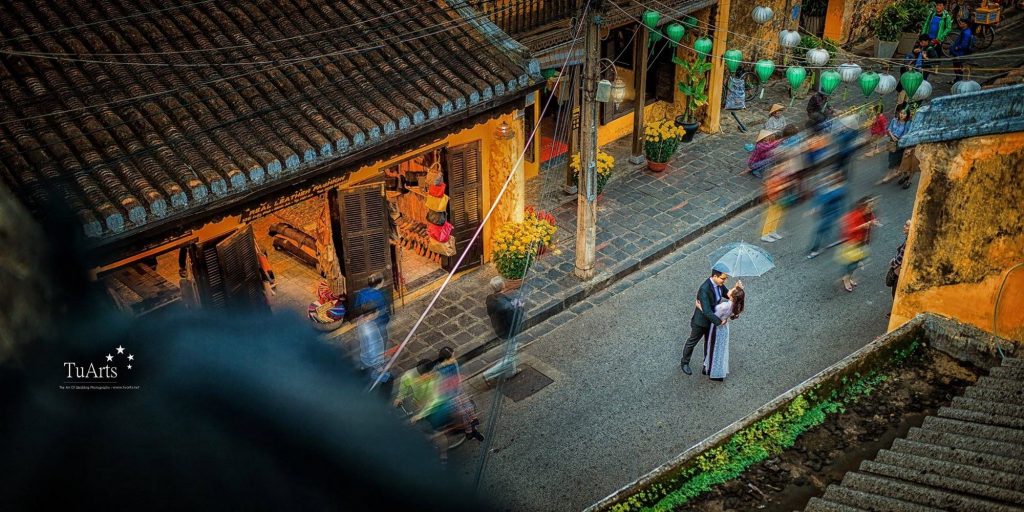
(717, 380)
(703, 371)
(686, 367)
(476, 435)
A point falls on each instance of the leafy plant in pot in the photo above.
(888, 27)
(914, 13)
(694, 87)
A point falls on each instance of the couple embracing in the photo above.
(716, 305)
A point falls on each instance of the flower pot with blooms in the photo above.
(661, 139)
(547, 222)
(516, 245)
(605, 165)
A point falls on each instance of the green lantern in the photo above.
(868, 81)
(910, 81)
(796, 76)
(732, 59)
(829, 81)
(674, 31)
(764, 69)
(651, 19)
(702, 46)
(690, 22)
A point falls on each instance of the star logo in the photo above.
(131, 357)
(120, 349)
(110, 357)
(129, 367)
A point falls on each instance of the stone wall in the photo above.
(857, 16)
(967, 233)
(759, 41)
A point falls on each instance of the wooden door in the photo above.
(362, 214)
(462, 166)
(227, 273)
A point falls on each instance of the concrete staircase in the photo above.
(970, 457)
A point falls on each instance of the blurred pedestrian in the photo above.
(845, 142)
(417, 388)
(892, 276)
(505, 312)
(895, 131)
(776, 185)
(372, 298)
(857, 225)
(818, 109)
(828, 204)
(776, 121)
(879, 130)
(763, 155)
(372, 345)
(463, 414)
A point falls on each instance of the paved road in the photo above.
(619, 405)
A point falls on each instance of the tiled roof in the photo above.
(200, 123)
(986, 112)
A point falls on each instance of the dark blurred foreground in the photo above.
(221, 412)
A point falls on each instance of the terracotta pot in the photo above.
(657, 166)
(512, 284)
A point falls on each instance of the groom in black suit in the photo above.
(710, 293)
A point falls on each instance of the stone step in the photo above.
(959, 455)
(1000, 383)
(968, 442)
(981, 417)
(1013, 362)
(942, 482)
(920, 494)
(995, 433)
(870, 501)
(996, 395)
(1007, 372)
(996, 408)
(823, 505)
(961, 472)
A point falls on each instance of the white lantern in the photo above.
(817, 57)
(886, 84)
(923, 92)
(762, 14)
(849, 72)
(789, 38)
(618, 91)
(966, 86)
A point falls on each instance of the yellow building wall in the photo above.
(623, 126)
(967, 234)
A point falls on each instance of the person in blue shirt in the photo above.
(961, 48)
(829, 201)
(372, 299)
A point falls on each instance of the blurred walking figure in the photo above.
(857, 225)
(450, 390)
(372, 345)
(372, 299)
(776, 190)
(892, 276)
(763, 155)
(879, 130)
(828, 204)
(896, 129)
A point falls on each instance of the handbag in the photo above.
(437, 218)
(446, 248)
(440, 233)
(437, 204)
(852, 253)
(436, 190)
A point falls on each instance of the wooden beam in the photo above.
(640, 85)
(713, 122)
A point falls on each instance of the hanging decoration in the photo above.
(817, 57)
(829, 81)
(651, 19)
(966, 86)
(910, 81)
(703, 47)
(674, 31)
(796, 76)
(923, 91)
(789, 38)
(762, 14)
(868, 81)
(733, 59)
(886, 84)
(690, 22)
(849, 72)
(764, 69)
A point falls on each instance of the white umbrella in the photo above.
(741, 259)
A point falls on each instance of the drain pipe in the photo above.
(995, 311)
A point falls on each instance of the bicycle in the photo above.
(750, 83)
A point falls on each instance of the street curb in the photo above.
(601, 282)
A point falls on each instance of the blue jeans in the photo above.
(825, 225)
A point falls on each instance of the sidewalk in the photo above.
(642, 216)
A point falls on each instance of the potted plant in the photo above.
(605, 165)
(546, 221)
(694, 87)
(516, 245)
(914, 13)
(661, 139)
(888, 27)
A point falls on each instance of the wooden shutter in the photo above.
(227, 271)
(362, 213)
(463, 169)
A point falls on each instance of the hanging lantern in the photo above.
(762, 14)
(618, 91)
(923, 91)
(911, 80)
(764, 69)
(732, 59)
(966, 86)
(702, 46)
(817, 57)
(886, 84)
(868, 81)
(789, 38)
(674, 31)
(796, 76)
(829, 81)
(690, 22)
(651, 19)
(849, 72)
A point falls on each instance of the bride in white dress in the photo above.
(716, 344)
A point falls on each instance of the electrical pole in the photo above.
(586, 217)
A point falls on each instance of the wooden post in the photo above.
(640, 85)
(713, 123)
(586, 198)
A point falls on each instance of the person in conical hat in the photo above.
(776, 121)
